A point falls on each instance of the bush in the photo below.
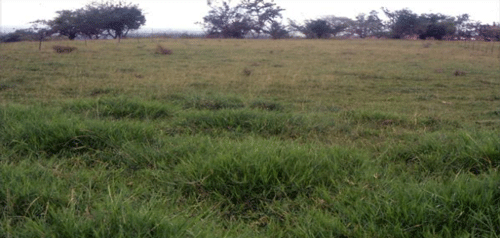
(162, 50)
(17, 36)
(63, 49)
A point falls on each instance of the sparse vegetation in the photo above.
(323, 138)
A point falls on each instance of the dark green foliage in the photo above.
(320, 28)
(226, 21)
(117, 19)
(67, 23)
(370, 25)
(406, 23)
(263, 15)
(402, 22)
(277, 31)
(256, 16)
(114, 19)
(18, 35)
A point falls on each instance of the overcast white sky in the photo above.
(182, 14)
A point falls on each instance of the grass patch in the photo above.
(245, 121)
(247, 176)
(383, 141)
(121, 108)
(213, 102)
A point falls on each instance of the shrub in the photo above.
(459, 73)
(63, 49)
(162, 50)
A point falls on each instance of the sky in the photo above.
(182, 15)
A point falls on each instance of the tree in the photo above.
(66, 23)
(402, 22)
(19, 35)
(319, 28)
(338, 24)
(41, 30)
(436, 26)
(87, 21)
(277, 31)
(262, 14)
(226, 21)
(313, 29)
(490, 32)
(117, 19)
(370, 25)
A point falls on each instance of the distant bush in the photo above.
(63, 49)
(17, 36)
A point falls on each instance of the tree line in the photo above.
(254, 17)
(259, 18)
(95, 20)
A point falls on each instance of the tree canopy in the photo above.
(114, 19)
(236, 21)
(257, 18)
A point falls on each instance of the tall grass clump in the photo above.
(246, 121)
(121, 108)
(213, 102)
(459, 207)
(245, 176)
(42, 132)
(439, 154)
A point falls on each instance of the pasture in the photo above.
(250, 138)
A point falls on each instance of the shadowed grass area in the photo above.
(320, 138)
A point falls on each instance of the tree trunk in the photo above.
(40, 45)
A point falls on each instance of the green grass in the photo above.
(250, 138)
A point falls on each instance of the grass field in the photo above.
(250, 138)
